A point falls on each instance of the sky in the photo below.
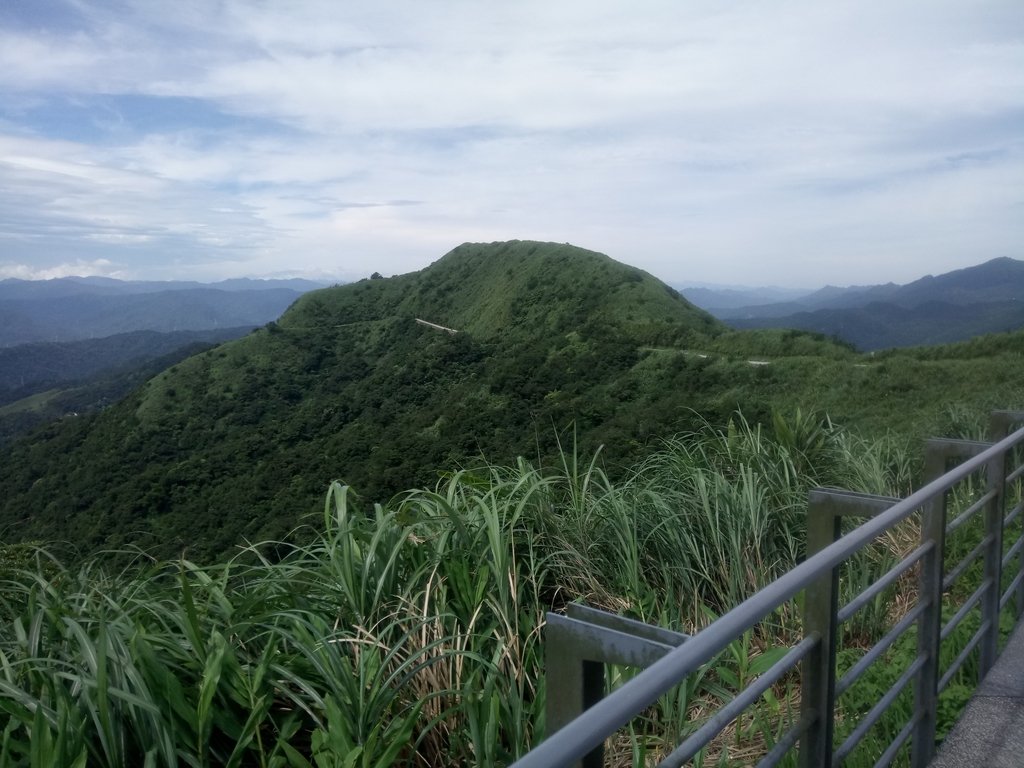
(791, 143)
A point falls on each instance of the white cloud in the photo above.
(793, 141)
(102, 267)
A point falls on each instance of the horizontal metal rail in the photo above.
(1015, 475)
(1011, 590)
(961, 657)
(875, 713)
(878, 649)
(734, 708)
(901, 738)
(589, 730)
(1013, 514)
(961, 614)
(966, 563)
(1013, 551)
(968, 513)
(847, 612)
(786, 743)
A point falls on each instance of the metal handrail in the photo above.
(592, 727)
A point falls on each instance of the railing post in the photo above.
(995, 476)
(573, 685)
(933, 530)
(825, 509)
(999, 428)
(819, 668)
(576, 648)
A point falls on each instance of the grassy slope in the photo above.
(512, 291)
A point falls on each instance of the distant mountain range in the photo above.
(13, 288)
(955, 306)
(718, 300)
(71, 308)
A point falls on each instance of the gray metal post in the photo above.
(825, 509)
(577, 647)
(819, 668)
(999, 428)
(573, 685)
(995, 475)
(933, 530)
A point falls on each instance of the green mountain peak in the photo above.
(488, 289)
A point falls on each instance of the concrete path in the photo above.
(991, 731)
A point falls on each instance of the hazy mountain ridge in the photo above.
(68, 309)
(716, 299)
(987, 298)
(15, 288)
(882, 326)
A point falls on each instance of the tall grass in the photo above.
(409, 633)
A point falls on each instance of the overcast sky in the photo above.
(756, 143)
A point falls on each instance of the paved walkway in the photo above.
(991, 731)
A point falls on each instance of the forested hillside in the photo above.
(143, 354)
(551, 343)
(30, 368)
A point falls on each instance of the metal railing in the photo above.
(579, 674)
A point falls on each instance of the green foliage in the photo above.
(409, 632)
(771, 343)
(116, 365)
